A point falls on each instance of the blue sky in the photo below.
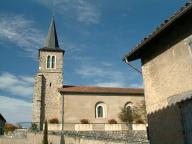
(95, 34)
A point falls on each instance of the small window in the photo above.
(100, 110)
(48, 62)
(129, 108)
(128, 105)
(53, 62)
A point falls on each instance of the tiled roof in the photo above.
(103, 90)
(163, 26)
(2, 118)
(52, 40)
(51, 49)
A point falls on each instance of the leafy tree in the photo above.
(126, 115)
(133, 115)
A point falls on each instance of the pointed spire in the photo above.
(52, 41)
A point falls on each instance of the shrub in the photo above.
(84, 121)
(54, 121)
(112, 121)
(139, 120)
(9, 128)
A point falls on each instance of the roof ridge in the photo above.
(164, 24)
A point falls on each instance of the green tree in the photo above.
(45, 134)
(133, 115)
(126, 115)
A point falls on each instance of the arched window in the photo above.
(100, 110)
(53, 62)
(129, 110)
(48, 62)
(128, 105)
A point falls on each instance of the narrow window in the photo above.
(48, 62)
(53, 62)
(128, 108)
(100, 111)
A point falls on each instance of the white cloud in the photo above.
(17, 85)
(110, 84)
(22, 32)
(15, 110)
(27, 79)
(87, 12)
(104, 75)
(83, 10)
(94, 71)
(107, 64)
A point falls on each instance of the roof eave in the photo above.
(135, 53)
(52, 49)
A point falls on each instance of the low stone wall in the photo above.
(96, 127)
(138, 127)
(83, 127)
(72, 137)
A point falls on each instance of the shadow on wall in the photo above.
(165, 126)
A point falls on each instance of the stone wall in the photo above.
(131, 137)
(46, 98)
(43, 61)
(96, 127)
(38, 99)
(166, 75)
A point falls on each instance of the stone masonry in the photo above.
(46, 96)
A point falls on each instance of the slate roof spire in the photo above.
(52, 41)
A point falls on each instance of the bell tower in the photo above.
(46, 98)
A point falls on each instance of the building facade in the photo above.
(2, 124)
(51, 99)
(166, 57)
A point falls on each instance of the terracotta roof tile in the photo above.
(104, 90)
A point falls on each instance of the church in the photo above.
(70, 104)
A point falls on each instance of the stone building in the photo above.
(2, 124)
(166, 56)
(51, 99)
